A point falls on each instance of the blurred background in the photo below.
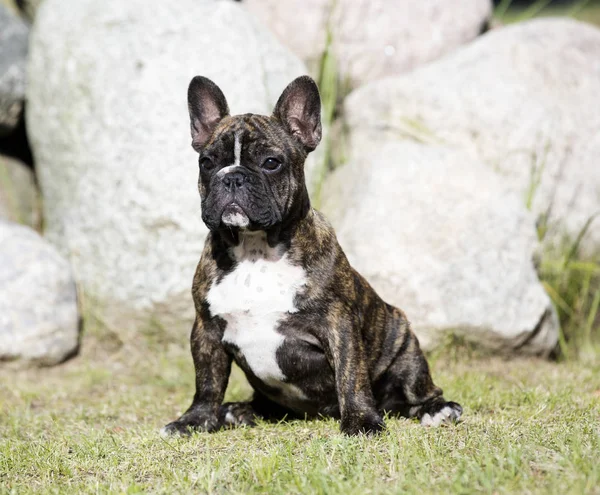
(461, 143)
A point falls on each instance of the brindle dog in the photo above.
(275, 293)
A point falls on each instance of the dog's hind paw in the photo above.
(450, 412)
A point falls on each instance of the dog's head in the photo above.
(252, 166)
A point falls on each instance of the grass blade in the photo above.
(501, 9)
(587, 333)
(533, 10)
(575, 246)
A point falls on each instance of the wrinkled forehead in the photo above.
(248, 134)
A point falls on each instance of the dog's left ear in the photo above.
(299, 110)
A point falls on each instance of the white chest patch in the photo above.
(252, 299)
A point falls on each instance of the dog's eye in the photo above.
(206, 164)
(271, 164)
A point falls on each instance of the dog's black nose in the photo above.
(234, 180)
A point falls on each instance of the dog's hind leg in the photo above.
(406, 389)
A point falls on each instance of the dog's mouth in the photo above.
(234, 216)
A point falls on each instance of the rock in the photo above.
(440, 236)
(19, 197)
(372, 39)
(39, 320)
(29, 8)
(301, 25)
(25, 8)
(522, 99)
(110, 134)
(11, 6)
(13, 55)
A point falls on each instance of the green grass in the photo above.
(508, 11)
(573, 284)
(570, 275)
(91, 426)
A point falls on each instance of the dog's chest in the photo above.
(253, 298)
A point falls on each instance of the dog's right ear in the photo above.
(207, 106)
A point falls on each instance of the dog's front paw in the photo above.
(187, 424)
(449, 412)
(232, 414)
(368, 423)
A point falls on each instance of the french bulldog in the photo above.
(274, 292)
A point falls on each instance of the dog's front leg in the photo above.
(354, 392)
(213, 366)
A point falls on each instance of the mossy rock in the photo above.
(19, 196)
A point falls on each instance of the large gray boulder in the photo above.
(39, 320)
(440, 236)
(371, 39)
(524, 100)
(19, 198)
(13, 55)
(107, 118)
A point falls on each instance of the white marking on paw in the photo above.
(252, 302)
(446, 415)
(164, 433)
(230, 418)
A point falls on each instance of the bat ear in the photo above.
(299, 110)
(207, 106)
